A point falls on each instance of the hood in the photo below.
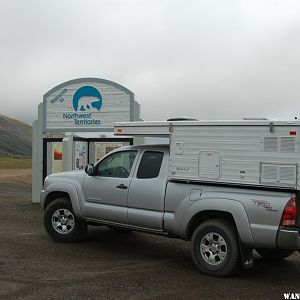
(68, 174)
(65, 177)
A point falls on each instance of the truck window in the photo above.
(150, 164)
(118, 164)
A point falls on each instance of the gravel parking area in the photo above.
(16, 175)
(112, 265)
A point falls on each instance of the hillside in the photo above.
(15, 137)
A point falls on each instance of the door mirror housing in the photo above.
(89, 169)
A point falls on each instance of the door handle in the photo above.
(122, 186)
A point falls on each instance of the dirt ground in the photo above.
(112, 265)
(16, 175)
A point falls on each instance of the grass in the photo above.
(15, 163)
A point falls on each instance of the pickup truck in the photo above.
(130, 189)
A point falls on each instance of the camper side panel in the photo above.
(236, 154)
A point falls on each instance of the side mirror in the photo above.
(89, 169)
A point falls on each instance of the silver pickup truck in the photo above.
(129, 189)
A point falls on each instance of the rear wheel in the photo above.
(215, 248)
(274, 254)
(61, 223)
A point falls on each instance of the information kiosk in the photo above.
(75, 126)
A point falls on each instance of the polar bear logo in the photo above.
(86, 98)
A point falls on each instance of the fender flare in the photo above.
(68, 188)
(231, 206)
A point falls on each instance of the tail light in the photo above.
(289, 214)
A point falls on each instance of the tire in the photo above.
(274, 254)
(215, 248)
(61, 223)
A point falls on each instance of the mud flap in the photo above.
(246, 256)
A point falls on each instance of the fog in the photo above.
(201, 59)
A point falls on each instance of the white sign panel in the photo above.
(56, 157)
(87, 105)
(80, 157)
(102, 148)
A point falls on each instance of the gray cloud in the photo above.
(204, 59)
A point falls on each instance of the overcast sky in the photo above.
(204, 59)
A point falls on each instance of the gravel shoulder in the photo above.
(16, 175)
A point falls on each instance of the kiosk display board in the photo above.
(102, 148)
(80, 157)
(56, 157)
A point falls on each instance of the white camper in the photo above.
(247, 152)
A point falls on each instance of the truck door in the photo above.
(105, 193)
(147, 191)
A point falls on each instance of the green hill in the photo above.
(15, 137)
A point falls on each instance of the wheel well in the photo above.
(204, 216)
(55, 195)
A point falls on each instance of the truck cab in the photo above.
(127, 187)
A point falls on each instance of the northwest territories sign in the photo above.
(87, 104)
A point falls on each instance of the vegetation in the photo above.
(15, 163)
(15, 137)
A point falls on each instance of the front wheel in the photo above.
(215, 248)
(61, 223)
(274, 254)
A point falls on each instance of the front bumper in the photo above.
(288, 238)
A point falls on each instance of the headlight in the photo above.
(45, 182)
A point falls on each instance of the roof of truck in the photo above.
(149, 146)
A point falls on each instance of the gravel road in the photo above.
(112, 265)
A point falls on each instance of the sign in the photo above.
(102, 148)
(56, 157)
(88, 104)
(80, 157)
